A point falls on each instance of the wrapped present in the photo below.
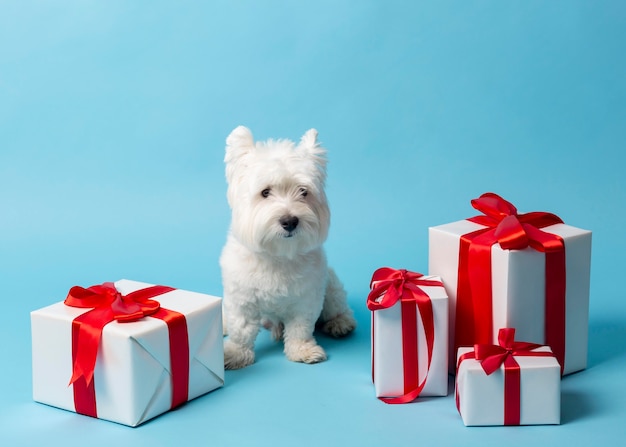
(127, 351)
(504, 269)
(512, 383)
(409, 335)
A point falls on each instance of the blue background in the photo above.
(113, 116)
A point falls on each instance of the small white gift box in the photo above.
(522, 386)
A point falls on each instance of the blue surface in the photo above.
(113, 116)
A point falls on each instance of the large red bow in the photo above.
(505, 226)
(388, 286)
(108, 305)
(512, 231)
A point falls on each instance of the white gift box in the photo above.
(132, 376)
(387, 357)
(518, 285)
(480, 396)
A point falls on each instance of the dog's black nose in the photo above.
(289, 223)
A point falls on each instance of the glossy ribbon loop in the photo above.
(510, 233)
(494, 206)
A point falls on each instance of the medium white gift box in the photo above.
(518, 286)
(132, 378)
(481, 398)
(389, 370)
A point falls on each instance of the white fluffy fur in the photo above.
(274, 275)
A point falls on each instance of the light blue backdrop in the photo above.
(113, 116)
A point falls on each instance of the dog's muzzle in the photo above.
(289, 224)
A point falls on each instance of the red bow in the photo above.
(389, 285)
(513, 231)
(108, 305)
(491, 357)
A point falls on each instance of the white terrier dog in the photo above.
(274, 268)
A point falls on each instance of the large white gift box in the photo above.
(481, 398)
(518, 288)
(397, 373)
(133, 375)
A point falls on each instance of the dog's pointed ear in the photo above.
(310, 146)
(309, 139)
(238, 143)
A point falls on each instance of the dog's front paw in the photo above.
(340, 326)
(237, 356)
(305, 352)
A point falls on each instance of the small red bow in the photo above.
(491, 357)
(389, 285)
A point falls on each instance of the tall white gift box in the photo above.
(409, 335)
(504, 269)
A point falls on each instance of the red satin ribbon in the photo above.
(110, 305)
(388, 286)
(513, 231)
(492, 357)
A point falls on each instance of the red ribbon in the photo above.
(388, 286)
(110, 305)
(492, 357)
(513, 231)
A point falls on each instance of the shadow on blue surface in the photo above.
(575, 406)
(606, 340)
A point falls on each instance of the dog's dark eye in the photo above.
(265, 193)
(303, 192)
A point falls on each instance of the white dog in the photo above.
(274, 268)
